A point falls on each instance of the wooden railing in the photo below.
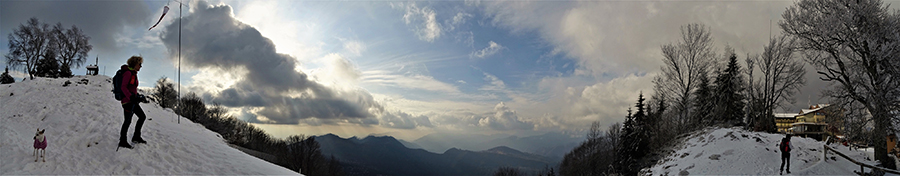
(862, 166)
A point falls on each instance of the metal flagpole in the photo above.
(179, 56)
(178, 98)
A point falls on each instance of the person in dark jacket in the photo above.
(785, 147)
(131, 102)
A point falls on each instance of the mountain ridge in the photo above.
(550, 144)
(387, 156)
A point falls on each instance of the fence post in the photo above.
(825, 151)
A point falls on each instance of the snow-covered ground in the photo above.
(733, 151)
(82, 123)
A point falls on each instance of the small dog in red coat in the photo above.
(40, 143)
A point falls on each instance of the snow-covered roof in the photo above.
(785, 115)
(817, 108)
(807, 123)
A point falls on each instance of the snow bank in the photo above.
(82, 122)
(734, 151)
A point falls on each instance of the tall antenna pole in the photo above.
(179, 53)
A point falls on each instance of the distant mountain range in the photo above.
(386, 155)
(553, 145)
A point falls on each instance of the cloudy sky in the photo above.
(408, 68)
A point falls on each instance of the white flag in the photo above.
(165, 10)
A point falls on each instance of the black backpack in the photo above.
(117, 84)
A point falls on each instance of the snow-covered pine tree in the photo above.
(658, 128)
(626, 147)
(704, 102)
(635, 140)
(642, 130)
(729, 93)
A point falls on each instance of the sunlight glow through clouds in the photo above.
(216, 80)
(290, 36)
(339, 72)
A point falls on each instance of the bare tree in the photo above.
(684, 63)
(594, 133)
(782, 76)
(593, 156)
(851, 115)
(27, 45)
(612, 134)
(71, 45)
(165, 93)
(855, 44)
(217, 111)
(508, 171)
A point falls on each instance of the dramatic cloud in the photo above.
(403, 120)
(505, 119)
(491, 49)
(605, 101)
(270, 81)
(422, 19)
(342, 68)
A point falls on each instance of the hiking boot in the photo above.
(138, 140)
(125, 145)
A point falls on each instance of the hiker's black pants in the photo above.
(785, 158)
(130, 110)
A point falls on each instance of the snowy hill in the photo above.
(82, 123)
(733, 151)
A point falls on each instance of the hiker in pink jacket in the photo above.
(131, 101)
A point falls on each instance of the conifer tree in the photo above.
(641, 130)
(47, 67)
(633, 144)
(705, 101)
(625, 150)
(729, 95)
(5, 78)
